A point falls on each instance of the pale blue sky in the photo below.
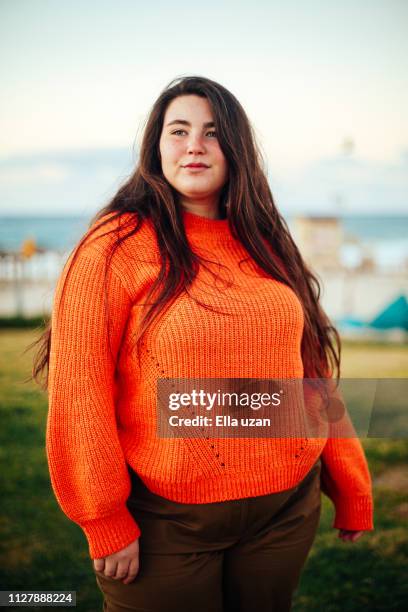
(78, 79)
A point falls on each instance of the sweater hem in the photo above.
(230, 486)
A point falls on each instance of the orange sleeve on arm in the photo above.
(345, 476)
(346, 481)
(88, 471)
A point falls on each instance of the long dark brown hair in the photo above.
(246, 201)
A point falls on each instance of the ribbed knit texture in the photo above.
(102, 395)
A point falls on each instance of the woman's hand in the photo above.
(122, 565)
(350, 535)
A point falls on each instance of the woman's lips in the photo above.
(196, 168)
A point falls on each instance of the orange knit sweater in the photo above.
(102, 395)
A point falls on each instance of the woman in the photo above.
(190, 273)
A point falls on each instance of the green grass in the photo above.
(42, 549)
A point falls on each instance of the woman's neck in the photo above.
(203, 209)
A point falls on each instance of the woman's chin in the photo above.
(196, 192)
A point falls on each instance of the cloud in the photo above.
(61, 182)
(38, 173)
(82, 181)
(346, 185)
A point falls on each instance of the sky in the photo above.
(325, 85)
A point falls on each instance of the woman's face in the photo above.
(188, 137)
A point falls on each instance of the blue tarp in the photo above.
(394, 315)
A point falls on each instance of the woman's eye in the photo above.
(177, 132)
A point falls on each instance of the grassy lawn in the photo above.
(42, 549)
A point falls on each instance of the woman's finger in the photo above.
(110, 567)
(348, 535)
(122, 569)
(133, 570)
(99, 564)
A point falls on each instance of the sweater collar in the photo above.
(212, 230)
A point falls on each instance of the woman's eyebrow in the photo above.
(184, 122)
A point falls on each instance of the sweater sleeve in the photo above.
(87, 467)
(345, 476)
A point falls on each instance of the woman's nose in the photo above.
(195, 144)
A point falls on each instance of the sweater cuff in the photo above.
(111, 533)
(354, 513)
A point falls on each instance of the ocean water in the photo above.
(51, 233)
(384, 237)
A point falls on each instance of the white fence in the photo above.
(27, 287)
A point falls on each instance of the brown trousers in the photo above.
(234, 556)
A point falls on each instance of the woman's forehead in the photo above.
(185, 107)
